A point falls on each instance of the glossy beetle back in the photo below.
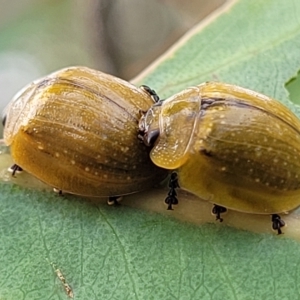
(76, 130)
(237, 148)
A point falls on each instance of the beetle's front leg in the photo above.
(171, 199)
(172, 195)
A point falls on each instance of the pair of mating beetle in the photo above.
(77, 130)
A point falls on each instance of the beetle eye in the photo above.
(151, 92)
(151, 137)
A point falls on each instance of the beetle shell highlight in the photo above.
(77, 129)
(231, 146)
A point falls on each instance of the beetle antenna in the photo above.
(151, 92)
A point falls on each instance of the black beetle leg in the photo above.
(151, 93)
(217, 210)
(114, 200)
(15, 169)
(58, 191)
(277, 223)
(171, 198)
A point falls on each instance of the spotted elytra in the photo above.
(231, 146)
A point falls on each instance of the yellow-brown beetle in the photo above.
(231, 146)
(77, 129)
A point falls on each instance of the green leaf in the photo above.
(293, 86)
(132, 252)
(121, 253)
(253, 44)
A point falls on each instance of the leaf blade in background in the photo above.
(246, 46)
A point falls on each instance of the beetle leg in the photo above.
(217, 210)
(58, 191)
(151, 93)
(173, 183)
(114, 200)
(277, 223)
(171, 198)
(15, 169)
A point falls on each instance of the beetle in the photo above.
(229, 145)
(76, 130)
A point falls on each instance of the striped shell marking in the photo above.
(77, 129)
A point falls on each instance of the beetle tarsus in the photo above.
(172, 195)
(15, 169)
(277, 223)
(217, 210)
(171, 199)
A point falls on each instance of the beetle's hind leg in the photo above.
(15, 169)
(217, 210)
(277, 223)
